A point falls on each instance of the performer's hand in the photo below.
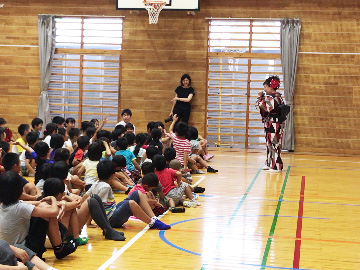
(261, 93)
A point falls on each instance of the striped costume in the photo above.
(273, 129)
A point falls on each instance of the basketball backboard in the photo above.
(190, 5)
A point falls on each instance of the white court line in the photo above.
(118, 253)
(199, 181)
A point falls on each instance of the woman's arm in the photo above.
(172, 108)
(188, 99)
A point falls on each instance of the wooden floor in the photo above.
(303, 218)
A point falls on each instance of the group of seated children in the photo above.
(75, 172)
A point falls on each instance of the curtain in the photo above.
(46, 55)
(289, 44)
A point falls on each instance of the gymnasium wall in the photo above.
(327, 96)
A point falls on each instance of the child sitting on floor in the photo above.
(134, 205)
(168, 178)
(131, 163)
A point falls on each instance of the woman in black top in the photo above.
(181, 102)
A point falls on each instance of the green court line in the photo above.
(272, 229)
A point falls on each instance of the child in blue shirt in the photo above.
(131, 163)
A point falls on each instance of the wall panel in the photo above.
(154, 57)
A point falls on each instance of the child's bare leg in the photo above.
(145, 205)
(139, 212)
(201, 161)
(171, 203)
(83, 215)
(188, 192)
(74, 224)
(185, 180)
(115, 184)
(54, 232)
(39, 263)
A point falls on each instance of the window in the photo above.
(86, 69)
(241, 55)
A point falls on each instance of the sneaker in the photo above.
(128, 190)
(198, 172)
(195, 202)
(265, 167)
(160, 225)
(189, 204)
(206, 157)
(199, 189)
(211, 170)
(82, 240)
(177, 209)
(274, 171)
(65, 249)
(209, 156)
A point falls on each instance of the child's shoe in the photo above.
(65, 249)
(177, 209)
(189, 204)
(195, 202)
(198, 172)
(82, 240)
(195, 196)
(211, 170)
(199, 189)
(160, 225)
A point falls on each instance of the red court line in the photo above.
(296, 261)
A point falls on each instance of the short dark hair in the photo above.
(62, 154)
(140, 139)
(62, 131)
(85, 125)
(60, 170)
(83, 141)
(94, 121)
(2, 121)
(150, 179)
(130, 138)
(181, 129)
(151, 125)
(119, 161)
(159, 162)
(53, 187)
(105, 169)
(95, 151)
(5, 146)
(156, 134)
(117, 132)
(104, 133)
(50, 128)
(73, 132)
(70, 120)
(41, 149)
(122, 143)
(11, 187)
(9, 160)
(161, 124)
(2, 131)
(90, 131)
(56, 141)
(185, 76)
(127, 111)
(22, 128)
(129, 126)
(32, 137)
(192, 133)
(36, 121)
(147, 167)
(58, 120)
(169, 153)
(46, 170)
(151, 151)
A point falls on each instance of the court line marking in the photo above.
(118, 253)
(239, 205)
(296, 261)
(273, 225)
(199, 181)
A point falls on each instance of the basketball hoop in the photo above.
(154, 8)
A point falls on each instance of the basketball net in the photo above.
(154, 8)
